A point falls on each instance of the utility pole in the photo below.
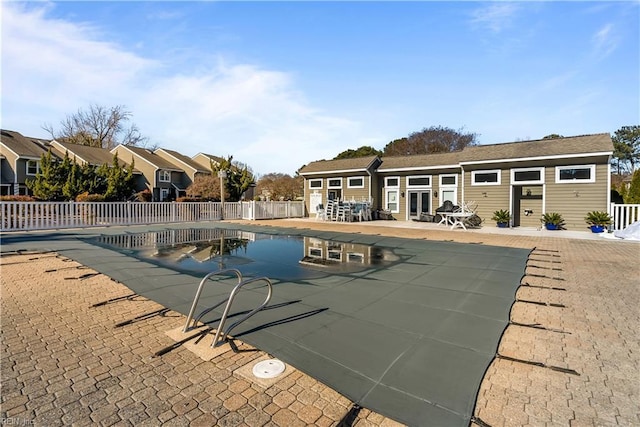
(222, 174)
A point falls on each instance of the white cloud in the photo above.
(51, 68)
(496, 17)
(49, 62)
(604, 41)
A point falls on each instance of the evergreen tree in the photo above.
(47, 184)
(74, 183)
(633, 195)
(119, 181)
(238, 179)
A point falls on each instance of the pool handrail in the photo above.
(196, 298)
(219, 339)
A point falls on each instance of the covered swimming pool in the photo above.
(409, 336)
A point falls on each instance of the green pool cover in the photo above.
(411, 341)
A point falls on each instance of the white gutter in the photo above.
(527, 159)
(334, 171)
(419, 168)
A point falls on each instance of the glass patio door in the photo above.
(419, 203)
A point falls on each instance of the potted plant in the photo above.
(552, 221)
(502, 218)
(598, 220)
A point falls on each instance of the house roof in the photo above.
(574, 146)
(209, 157)
(340, 165)
(184, 160)
(421, 161)
(95, 156)
(92, 155)
(152, 158)
(22, 146)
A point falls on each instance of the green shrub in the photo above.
(501, 216)
(15, 198)
(553, 218)
(598, 218)
(86, 197)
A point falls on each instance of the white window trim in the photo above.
(386, 182)
(333, 187)
(386, 199)
(162, 174)
(164, 194)
(315, 180)
(513, 176)
(448, 188)
(421, 185)
(448, 175)
(355, 186)
(576, 181)
(496, 171)
(27, 167)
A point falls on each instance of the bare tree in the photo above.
(279, 186)
(98, 126)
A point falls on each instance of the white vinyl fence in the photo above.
(623, 215)
(54, 215)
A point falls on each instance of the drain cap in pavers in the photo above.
(269, 368)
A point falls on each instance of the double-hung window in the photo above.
(392, 194)
(164, 176)
(33, 167)
(449, 188)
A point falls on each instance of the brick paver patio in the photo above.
(571, 357)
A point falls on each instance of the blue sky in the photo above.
(280, 84)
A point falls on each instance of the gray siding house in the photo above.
(568, 175)
(19, 161)
(161, 177)
(191, 168)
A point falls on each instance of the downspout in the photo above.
(370, 183)
(15, 176)
(609, 184)
(462, 186)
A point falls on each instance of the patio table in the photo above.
(456, 219)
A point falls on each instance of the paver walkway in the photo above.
(64, 363)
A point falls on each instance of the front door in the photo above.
(527, 205)
(419, 203)
(315, 199)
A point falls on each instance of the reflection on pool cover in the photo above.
(278, 257)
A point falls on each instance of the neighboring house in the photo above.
(205, 160)
(20, 161)
(191, 168)
(569, 175)
(161, 177)
(85, 154)
(343, 179)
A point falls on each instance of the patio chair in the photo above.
(330, 210)
(344, 213)
(320, 212)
